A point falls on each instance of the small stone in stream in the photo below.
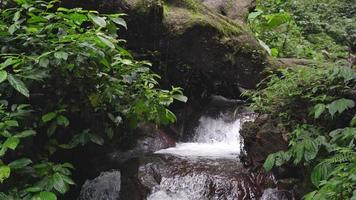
(104, 187)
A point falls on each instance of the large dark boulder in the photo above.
(203, 46)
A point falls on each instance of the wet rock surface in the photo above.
(195, 179)
(104, 187)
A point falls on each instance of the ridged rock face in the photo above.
(104, 187)
(203, 46)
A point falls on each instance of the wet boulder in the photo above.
(104, 187)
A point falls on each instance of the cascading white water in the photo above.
(213, 138)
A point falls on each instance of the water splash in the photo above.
(213, 138)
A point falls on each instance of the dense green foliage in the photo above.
(65, 80)
(317, 29)
(315, 106)
(312, 104)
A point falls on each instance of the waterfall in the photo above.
(213, 138)
(214, 148)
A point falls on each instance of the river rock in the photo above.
(104, 187)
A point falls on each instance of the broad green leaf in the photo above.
(310, 149)
(319, 173)
(353, 121)
(100, 21)
(25, 133)
(277, 19)
(11, 143)
(21, 163)
(119, 21)
(298, 153)
(269, 162)
(18, 85)
(96, 139)
(62, 120)
(340, 106)
(3, 76)
(61, 55)
(318, 110)
(107, 42)
(180, 97)
(44, 62)
(48, 196)
(253, 15)
(11, 123)
(59, 183)
(49, 116)
(67, 180)
(4, 173)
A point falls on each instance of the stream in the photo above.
(208, 167)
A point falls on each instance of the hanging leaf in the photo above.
(4, 173)
(107, 42)
(25, 133)
(180, 97)
(18, 85)
(21, 163)
(11, 143)
(311, 149)
(318, 110)
(119, 21)
(269, 162)
(59, 183)
(340, 106)
(49, 116)
(319, 173)
(3, 76)
(100, 21)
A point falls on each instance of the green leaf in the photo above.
(4, 173)
(318, 110)
(253, 15)
(25, 133)
(269, 162)
(62, 120)
(353, 122)
(100, 21)
(319, 173)
(180, 97)
(59, 183)
(277, 19)
(67, 180)
(3, 76)
(107, 42)
(61, 55)
(119, 21)
(44, 62)
(11, 143)
(340, 106)
(48, 196)
(18, 85)
(96, 139)
(310, 149)
(299, 153)
(49, 116)
(21, 163)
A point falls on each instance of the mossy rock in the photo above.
(196, 44)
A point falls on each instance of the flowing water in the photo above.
(208, 166)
